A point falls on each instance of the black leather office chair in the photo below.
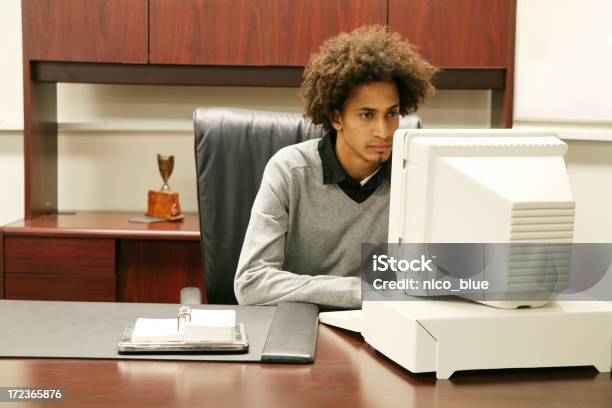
(232, 147)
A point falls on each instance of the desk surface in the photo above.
(105, 224)
(347, 372)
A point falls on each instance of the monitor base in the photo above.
(449, 336)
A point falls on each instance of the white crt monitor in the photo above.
(483, 186)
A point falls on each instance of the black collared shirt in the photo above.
(333, 172)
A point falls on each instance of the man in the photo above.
(320, 199)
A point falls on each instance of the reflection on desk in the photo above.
(346, 372)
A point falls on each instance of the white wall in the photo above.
(564, 61)
(589, 165)
(107, 157)
(563, 65)
(103, 166)
(11, 113)
(11, 174)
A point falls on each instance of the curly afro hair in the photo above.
(367, 54)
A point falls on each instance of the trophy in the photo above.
(165, 202)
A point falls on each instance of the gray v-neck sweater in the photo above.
(303, 242)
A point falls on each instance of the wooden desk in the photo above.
(347, 373)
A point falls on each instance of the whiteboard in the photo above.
(11, 82)
(563, 70)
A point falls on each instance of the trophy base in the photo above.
(164, 204)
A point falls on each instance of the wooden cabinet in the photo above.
(458, 33)
(99, 256)
(86, 30)
(252, 32)
(449, 33)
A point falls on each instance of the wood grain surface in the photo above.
(60, 256)
(22, 286)
(39, 144)
(157, 270)
(252, 32)
(86, 30)
(457, 33)
(346, 373)
(106, 224)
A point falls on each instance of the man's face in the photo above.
(366, 125)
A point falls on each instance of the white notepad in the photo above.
(204, 325)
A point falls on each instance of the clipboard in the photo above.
(239, 344)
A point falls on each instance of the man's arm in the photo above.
(260, 278)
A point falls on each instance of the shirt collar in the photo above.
(333, 172)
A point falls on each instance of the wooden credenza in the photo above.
(205, 42)
(100, 256)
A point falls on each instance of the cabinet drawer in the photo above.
(60, 256)
(46, 287)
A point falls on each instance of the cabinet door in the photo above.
(85, 30)
(458, 33)
(155, 271)
(252, 32)
(299, 27)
